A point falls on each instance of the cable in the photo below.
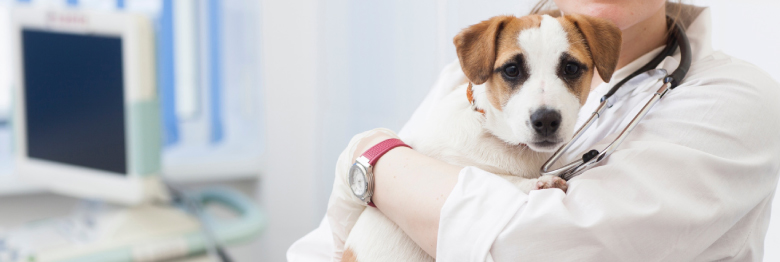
(214, 248)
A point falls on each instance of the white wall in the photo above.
(289, 53)
(744, 29)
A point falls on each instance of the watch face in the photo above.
(357, 181)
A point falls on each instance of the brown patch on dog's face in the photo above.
(578, 56)
(476, 47)
(602, 40)
(509, 59)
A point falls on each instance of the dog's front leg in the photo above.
(543, 182)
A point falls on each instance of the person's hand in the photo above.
(344, 208)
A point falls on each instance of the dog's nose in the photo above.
(545, 121)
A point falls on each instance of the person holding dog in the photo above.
(694, 182)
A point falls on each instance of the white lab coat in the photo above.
(693, 182)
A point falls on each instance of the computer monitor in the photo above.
(86, 117)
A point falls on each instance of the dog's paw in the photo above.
(548, 181)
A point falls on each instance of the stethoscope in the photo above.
(648, 71)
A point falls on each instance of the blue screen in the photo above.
(74, 100)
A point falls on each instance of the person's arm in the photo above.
(417, 179)
(411, 189)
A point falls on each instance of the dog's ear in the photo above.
(604, 40)
(476, 48)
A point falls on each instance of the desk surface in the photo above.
(20, 209)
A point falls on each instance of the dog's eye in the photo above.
(571, 69)
(512, 71)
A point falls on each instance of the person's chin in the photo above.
(623, 13)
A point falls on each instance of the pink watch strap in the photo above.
(377, 151)
(374, 153)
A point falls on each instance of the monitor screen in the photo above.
(74, 100)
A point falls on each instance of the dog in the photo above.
(528, 78)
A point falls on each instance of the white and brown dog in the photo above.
(528, 76)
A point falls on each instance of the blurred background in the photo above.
(262, 96)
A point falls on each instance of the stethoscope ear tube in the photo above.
(669, 82)
(685, 56)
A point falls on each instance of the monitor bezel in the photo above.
(138, 70)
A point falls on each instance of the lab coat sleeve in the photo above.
(693, 182)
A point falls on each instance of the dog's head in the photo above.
(536, 72)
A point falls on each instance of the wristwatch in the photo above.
(361, 175)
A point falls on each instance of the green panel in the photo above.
(145, 138)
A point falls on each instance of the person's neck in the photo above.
(639, 39)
